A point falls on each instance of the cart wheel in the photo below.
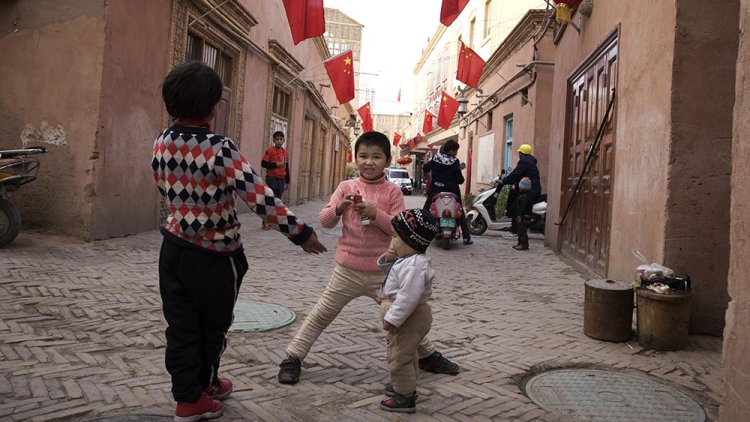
(10, 222)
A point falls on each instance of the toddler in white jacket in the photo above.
(407, 317)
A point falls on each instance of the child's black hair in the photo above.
(277, 134)
(451, 145)
(191, 91)
(377, 139)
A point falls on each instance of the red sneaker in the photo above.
(221, 390)
(204, 408)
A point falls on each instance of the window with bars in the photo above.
(200, 49)
(281, 102)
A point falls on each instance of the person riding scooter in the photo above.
(526, 168)
(445, 176)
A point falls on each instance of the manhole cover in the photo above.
(133, 418)
(589, 394)
(258, 316)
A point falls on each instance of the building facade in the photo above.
(94, 101)
(735, 405)
(482, 26)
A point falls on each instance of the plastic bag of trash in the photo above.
(652, 272)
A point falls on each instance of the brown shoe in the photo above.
(521, 248)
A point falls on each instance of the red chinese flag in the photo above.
(470, 66)
(364, 113)
(396, 138)
(411, 143)
(448, 108)
(341, 73)
(419, 138)
(450, 10)
(306, 19)
(427, 122)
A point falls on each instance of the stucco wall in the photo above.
(51, 89)
(697, 224)
(272, 25)
(531, 121)
(123, 196)
(643, 124)
(736, 360)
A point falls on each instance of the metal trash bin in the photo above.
(663, 319)
(608, 310)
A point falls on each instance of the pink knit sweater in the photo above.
(360, 245)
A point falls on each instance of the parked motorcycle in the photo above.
(446, 208)
(17, 167)
(481, 215)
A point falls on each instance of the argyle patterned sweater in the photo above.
(199, 173)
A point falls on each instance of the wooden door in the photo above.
(318, 163)
(220, 122)
(306, 164)
(586, 233)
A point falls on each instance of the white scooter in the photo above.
(481, 216)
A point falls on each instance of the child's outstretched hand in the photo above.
(387, 326)
(312, 245)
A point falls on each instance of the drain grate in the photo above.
(259, 316)
(590, 394)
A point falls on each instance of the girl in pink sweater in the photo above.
(366, 206)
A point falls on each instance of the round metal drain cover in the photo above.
(589, 394)
(133, 418)
(258, 316)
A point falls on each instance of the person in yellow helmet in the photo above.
(528, 192)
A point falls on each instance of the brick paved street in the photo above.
(81, 334)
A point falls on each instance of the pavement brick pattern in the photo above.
(81, 334)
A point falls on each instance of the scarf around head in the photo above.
(444, 158)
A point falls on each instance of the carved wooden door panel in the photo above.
(318, 163)
(303, 193)
(220, 121)
(586, 233)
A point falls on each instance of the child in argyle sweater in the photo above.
(201, 265)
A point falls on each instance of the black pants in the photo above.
(276, 185)
(510, 208)
(524, 204)
(198, 292)
(461, 221)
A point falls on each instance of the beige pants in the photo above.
(345, 285)
(401, 349)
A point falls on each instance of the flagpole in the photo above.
(304, 70)
(208, 13)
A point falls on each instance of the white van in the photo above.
(401, 178)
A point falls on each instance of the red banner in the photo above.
(306, 19)
(364, 113)
(427, 122)
(341, 73)
(448, 108)
(470, 66)
(450, 10)
(396, 138)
